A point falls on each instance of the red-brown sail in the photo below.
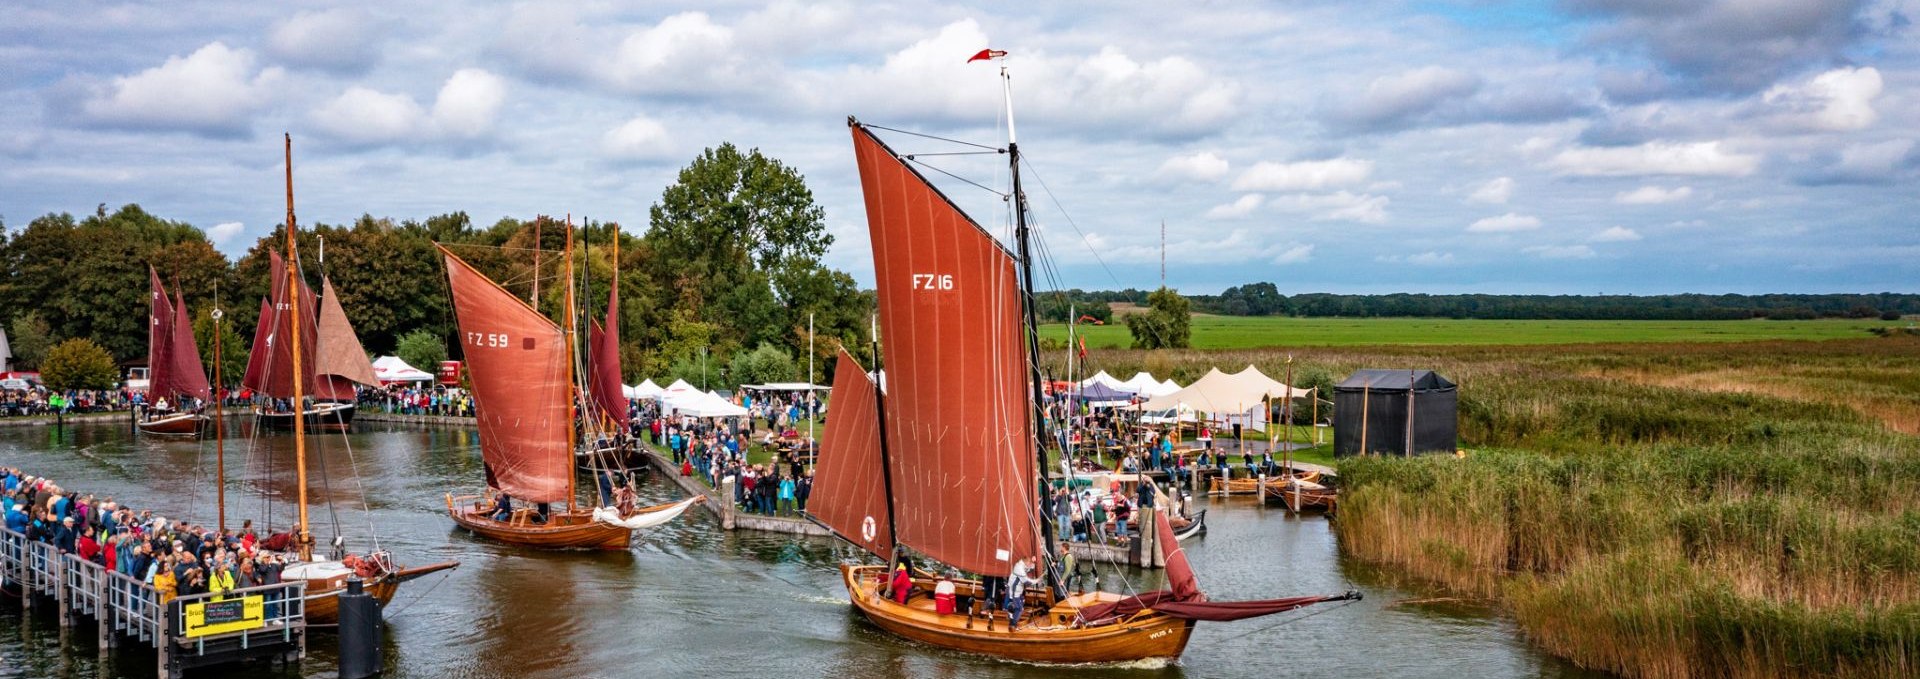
(185, 374)
(959, 423)
(1183, 599)
(849, 487)
(159, 336)
(339, 360)
(518, 363)
(256, 375)
(604, 343)
(278, 378)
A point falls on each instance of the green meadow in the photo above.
(1246, 332)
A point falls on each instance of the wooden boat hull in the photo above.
(1145, 635)
(1309, 497)
(577, 530)
(181, 424)
(323, 596)
(1192, 530)
(324, 414)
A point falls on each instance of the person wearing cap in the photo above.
(1017, 582)
(902, 584)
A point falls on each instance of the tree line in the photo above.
(728, 266)
(1265, 299)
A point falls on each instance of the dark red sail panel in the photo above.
(185, 373)
(517, 360)
(279, 369)
(256, 375)
(1184, 600)
(849, 487)
(959, 423)
(608, 394)
(159, 336)
(339, 360)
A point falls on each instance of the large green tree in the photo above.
(1164, 325)
(29, 338)
(232, 347)
(78, 363)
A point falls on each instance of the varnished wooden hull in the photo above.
(1146, 635)
(183, 424)
(561, 531)
(1320, 499)
(323, 596)
(324, 414)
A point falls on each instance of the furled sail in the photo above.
(159, 336)
(339, 361)
(256, 375)
(517, 359)
(1183, 599)
(849, 489)
(608, 396)
(185, 374)
(278, 379)
(959, 422)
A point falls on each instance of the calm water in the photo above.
(690, 599)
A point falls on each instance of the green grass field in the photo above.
(1245, 332)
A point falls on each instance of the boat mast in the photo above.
(299, 414)
(573, 392)
(533, 298)
(880, 415)
(1022, 233)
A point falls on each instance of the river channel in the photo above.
(691, 599)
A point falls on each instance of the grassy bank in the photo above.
(1241, 332)
(1672, 510)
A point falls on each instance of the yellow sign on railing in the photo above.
(232, 615)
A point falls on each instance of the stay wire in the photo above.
(923, 135)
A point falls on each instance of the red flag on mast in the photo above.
(984, 55)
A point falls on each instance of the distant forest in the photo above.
(1264, 299)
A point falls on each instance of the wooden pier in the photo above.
(266, 622)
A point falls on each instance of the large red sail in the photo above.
(608, 394)
(339, 360)
(159, 336)
(959, 424)
(518, 362)
(185, 374)
(278, 380)
(849, 484)
(256, 375)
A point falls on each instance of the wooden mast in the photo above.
(219, 432)
(573, 394)
(534, 297)
(299, 411)
(1042, 492)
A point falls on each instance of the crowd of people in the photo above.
(176, 558)
(716, 451)
(36, 401)
(407, 398)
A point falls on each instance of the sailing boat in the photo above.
(331, 355)
(608, 403)
(174, 372)
(325, 578)
(956, 435)
(524, 397)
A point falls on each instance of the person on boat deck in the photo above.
(1247, 457)
(902, 585)
(1148, 494)
(625, 500)
(161, 406)
(605, 479)
(943, 596)
(1017, 582)
(502, 508)
(1067, 566)
(540, 513)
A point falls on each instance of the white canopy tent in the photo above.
(1240, 398)
(6, 352)
(645, 389)
(1109, 381)
(786, 386)
(696, 403)
(390, 369)
(1141, 383)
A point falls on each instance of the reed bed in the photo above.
(1666, 511)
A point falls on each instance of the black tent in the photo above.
(1374, 410)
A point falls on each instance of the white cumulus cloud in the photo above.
(468, 103)
(1616, 234)
(1205, 166)
(1653, 195)
(1399, 99)
(1428, 258)
(1242, 207)
(215, 91)
(1294, 254)
(1305, 175)
(641, 138)
(1507, 223)
(1337, 206)
(1655, 158)
(1560, 251)
(1839, 100)
(464, 109)
(225, 231)
(1496, 191)
(335, 39)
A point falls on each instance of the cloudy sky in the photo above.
(1582, 146)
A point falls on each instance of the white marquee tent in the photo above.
(1239, 398)
(391, 369)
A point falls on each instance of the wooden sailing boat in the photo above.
(325, 578)
(956, 439)
(331, 355)
(521, 365)
(174, 371)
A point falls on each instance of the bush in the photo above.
(78, 363)
(1889, 315)
(422, 349)
(766, 363)
(29, 339)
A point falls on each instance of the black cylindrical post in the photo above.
(359, 633)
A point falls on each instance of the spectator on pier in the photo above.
(87, 547)
(64, 538)
(165, 581)
(804, 489)
(787, 503)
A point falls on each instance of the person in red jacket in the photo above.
(89, 548)
(902, 584)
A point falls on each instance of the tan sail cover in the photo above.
(339, 360)
(959, 421)
(849, 488)
(518, 363)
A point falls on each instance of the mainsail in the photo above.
(185, 374)
(256, 375)
(275, 378)
(159, 336)
(518, 362)
(604, 343)
(339, 361)
(848, 480)
(959, 421)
